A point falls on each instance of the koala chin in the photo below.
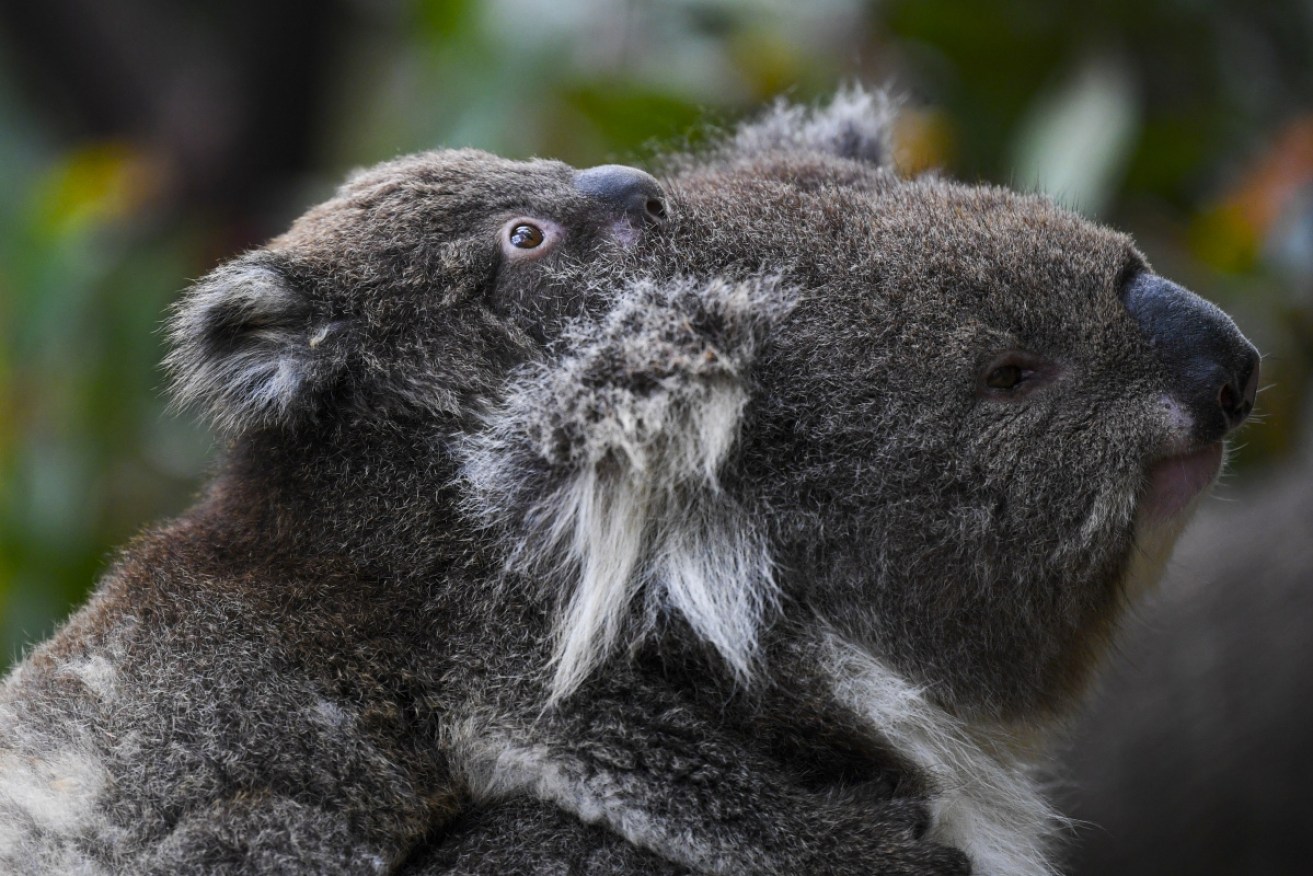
(758, 516)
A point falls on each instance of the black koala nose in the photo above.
(1213, 367)
(627, 189)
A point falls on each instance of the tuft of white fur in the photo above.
(57, 789)
(96, 673)
(49, 788)
(660, 520)
(984, 800)
(620, 444)
(856, 124)
(602, 524)
(718, 574)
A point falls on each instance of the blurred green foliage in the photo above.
(1189, 123)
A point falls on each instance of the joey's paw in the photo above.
(928, 858)
(889, 840)
(909, 852)
(905, 816)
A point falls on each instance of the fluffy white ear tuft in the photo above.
(246, 348)
(855, 124)
(715, 570)
(609, 462)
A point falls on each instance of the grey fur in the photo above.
(685, 545)
(856, 124)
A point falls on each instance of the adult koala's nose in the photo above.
(629, 191)
(1212, 366)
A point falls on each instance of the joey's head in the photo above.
(408, 295)
(952, 426)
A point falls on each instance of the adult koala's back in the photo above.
(761, 514)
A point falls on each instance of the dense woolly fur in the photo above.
(694, 538)
(611, 485)
(856, 124)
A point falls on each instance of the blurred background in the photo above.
(143, 141)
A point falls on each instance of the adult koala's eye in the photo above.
(1005, 377)
(525, 238)
(1014, 374)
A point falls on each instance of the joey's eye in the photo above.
(526, 236)
(1005, 377)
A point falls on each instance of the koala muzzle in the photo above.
(631, 192)
(1213, 367)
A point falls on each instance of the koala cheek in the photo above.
(1176, 419)
(624, 233)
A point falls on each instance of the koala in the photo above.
(1193, 757)
(759, 517)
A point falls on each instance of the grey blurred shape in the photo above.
(1197, 756)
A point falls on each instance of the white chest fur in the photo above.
(985, 799)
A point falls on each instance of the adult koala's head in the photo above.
(780, 391)
(980, 428)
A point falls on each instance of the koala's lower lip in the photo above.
(1175, 480)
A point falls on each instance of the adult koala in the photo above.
(761, 516)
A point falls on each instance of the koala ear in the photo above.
(855, 124)
(247, 348)
(603, 468)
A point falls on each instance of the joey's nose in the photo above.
(628, 190)
(1213, 368)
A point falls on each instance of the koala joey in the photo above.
(754, 519)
